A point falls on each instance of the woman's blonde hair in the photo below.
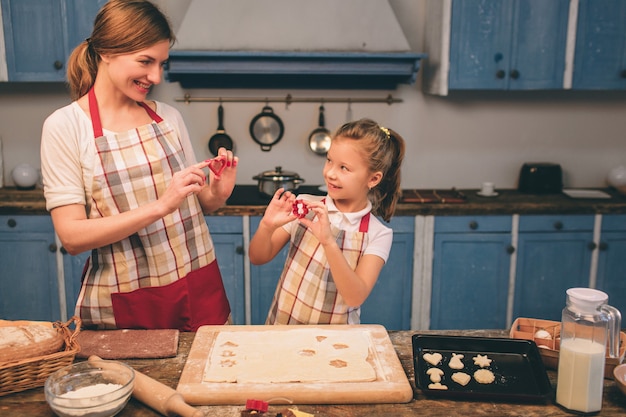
(120, 27)
(383, 149)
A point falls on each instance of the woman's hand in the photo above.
(190, 180)
(223, 175)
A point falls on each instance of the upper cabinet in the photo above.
(600, 55)
(39, 35)
(495, 45)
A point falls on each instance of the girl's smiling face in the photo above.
(135, 73)
(347, 175)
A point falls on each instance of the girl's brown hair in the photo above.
(120, 27)
(383, 148)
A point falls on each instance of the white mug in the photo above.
(487, 188)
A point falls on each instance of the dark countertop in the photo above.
(168, 371)
(246, 200)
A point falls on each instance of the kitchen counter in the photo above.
(246, 200)
(168, 371)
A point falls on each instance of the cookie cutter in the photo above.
(217, 165)
(300, 208)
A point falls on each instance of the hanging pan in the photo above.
(266, 128)
(220, 139)
(319, 139)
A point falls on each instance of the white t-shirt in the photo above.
(68, 152)
(380, 236)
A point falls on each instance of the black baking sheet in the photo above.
(516, 364)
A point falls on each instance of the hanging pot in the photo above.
(220, 139)
(266, 128)
(319, 139)
(270, 181)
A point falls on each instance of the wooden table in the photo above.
(33, 403)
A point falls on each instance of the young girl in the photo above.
(337, 248)
(121, 181)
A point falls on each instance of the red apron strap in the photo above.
(95, 114)
(365, 223)
(151, 112)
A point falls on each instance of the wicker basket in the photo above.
(525, 328)
(16, 376)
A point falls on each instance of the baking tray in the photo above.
(516, 364)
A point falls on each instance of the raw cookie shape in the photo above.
(434, 374)
(455, 362)
(461, 378)
(437, 385)
(482, 360)
(484, 376)
(433, 358)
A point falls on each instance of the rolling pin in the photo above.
(158, 396)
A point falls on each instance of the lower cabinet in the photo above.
(470, 277)
(611, 276)
(29, 289)
(554, 254)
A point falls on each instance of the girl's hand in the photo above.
(280, 209)
(320, 225)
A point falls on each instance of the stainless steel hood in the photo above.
(291, 44)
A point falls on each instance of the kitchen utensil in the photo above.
(587, 324)
(270, 181)
(217, 165)
(320, 139)
(24, 176)
(156, 395)
(220, 138)
(390, 386)
(516, 364)
(540, 178)
(266, 128)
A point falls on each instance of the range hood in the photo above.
(345, 44)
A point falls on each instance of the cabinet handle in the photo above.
(473, 225)
(500, 74)
(558, 225)
(514, 74)
(603, 246)
(592, 245)
(52, 247)
(623, 73)
(239, 250)
(58, 65)
(63, 250)
(510, 249)
(11, 223)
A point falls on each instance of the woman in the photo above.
(120, 180)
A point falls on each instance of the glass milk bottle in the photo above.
(587, 325)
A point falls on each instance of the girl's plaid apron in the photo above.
(165, 275)
(306, 292)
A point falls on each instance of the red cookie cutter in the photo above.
(217, 165)
(257, 405)
(300, 208)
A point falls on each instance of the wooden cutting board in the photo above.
(390, 386)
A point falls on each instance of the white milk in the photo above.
(580, 375)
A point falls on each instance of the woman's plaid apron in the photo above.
(306, 292)
(165, 275)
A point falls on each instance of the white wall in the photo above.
(455, 141)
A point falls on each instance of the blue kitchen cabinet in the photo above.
(227, 234)
(29, 289)
(611, 274)
(389, 303)
(39, 35)
(553, 254)
(600, 53)
(470, 278)
(73, 267)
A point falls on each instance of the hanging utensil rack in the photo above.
(289, 99)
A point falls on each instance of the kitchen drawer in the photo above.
(478, 224)
(558, 223)
(25, 223)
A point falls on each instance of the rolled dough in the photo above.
(301, 355)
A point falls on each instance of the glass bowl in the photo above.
(95, 388)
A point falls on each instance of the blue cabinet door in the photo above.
(554, 254)
(29, 289)
(389, 303)
(73, 267)
(470, 280)
(611, 276)
(39, 35)
(600, 54)
(227, 234)
(508, 44)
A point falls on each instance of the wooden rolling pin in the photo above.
(158, 396)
